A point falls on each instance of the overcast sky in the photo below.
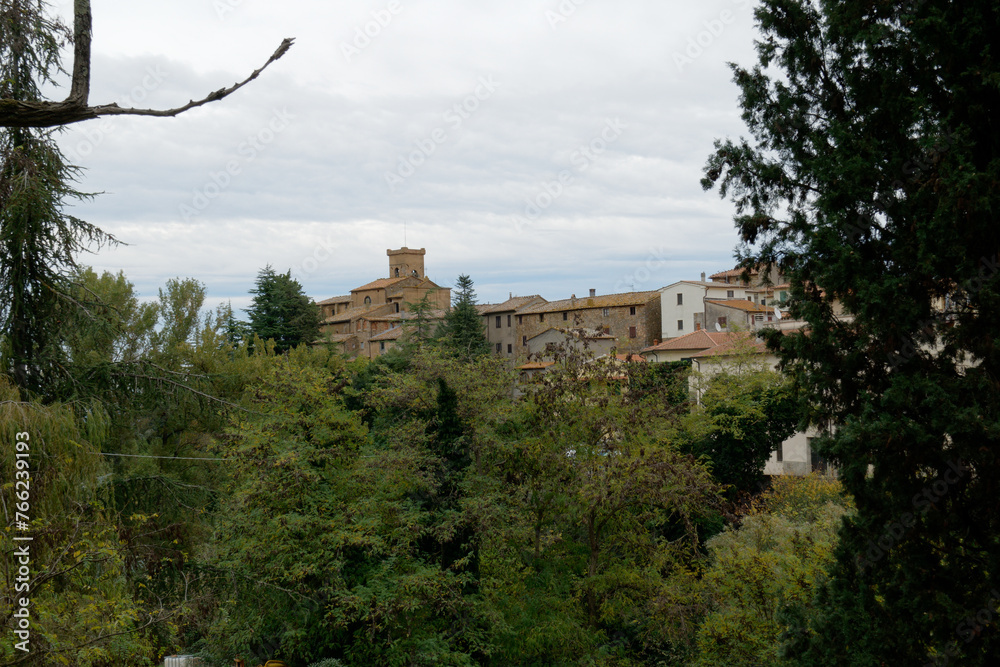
(539, 146)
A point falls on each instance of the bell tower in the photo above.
(406, 262)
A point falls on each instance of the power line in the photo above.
(176, 458)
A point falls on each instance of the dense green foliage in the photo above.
(871, 181)
(745, 411)
(462, 330)
(281, 311)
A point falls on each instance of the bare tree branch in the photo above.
(75, 108)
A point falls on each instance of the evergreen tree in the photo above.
(38, 239)
(281, 311)
(871, 181)
(462, 330)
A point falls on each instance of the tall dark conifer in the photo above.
(38, 239)
(462, 331)
(873, 181)
(281, 311)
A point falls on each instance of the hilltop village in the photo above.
(705, 321)
(367, 322)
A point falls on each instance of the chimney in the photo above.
(702, 276)
(593, 292)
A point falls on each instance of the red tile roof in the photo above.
(535, 365)
(381, 283)
(602, 301)
(696, 340)
(738, 342)
(334, 299)
(391, 334)
(740, 304)
(512, 303)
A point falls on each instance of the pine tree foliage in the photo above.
(39, 240)
(462, 331)
(281, 311)
(871, 180)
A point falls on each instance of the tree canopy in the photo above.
(462, 330)
(281, 311)
(871, 181)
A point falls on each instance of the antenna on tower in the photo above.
(404, 233)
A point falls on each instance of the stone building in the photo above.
(501, 320)
(632, 318)
(683, 304)
(351, 320)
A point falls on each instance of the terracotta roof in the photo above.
(731, 273)
(381, 283)
(512, 303)
(334, 299)
(635, 358)
(696, 340)
(738, 342)
(392, 334)
(602, 301)
(740, 304)
(339, 338)
(535, 365)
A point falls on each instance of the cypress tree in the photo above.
(871, 181)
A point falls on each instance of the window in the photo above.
(730, 294)
(631, 310)
(782, 296)
(524, 340)
(498, 321)
(381, 346)
(565, 316)
(519, 319)
(541, 317)
(368, 300)
(749, 298)
(397, 271)
(722, 322)
(508, 321)
(510, 348)
(498, 348)
(781, 452)
(763, 301)
(606, 311)
(631, 332)
(680, 299)
(397, 307)
(680, 325)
